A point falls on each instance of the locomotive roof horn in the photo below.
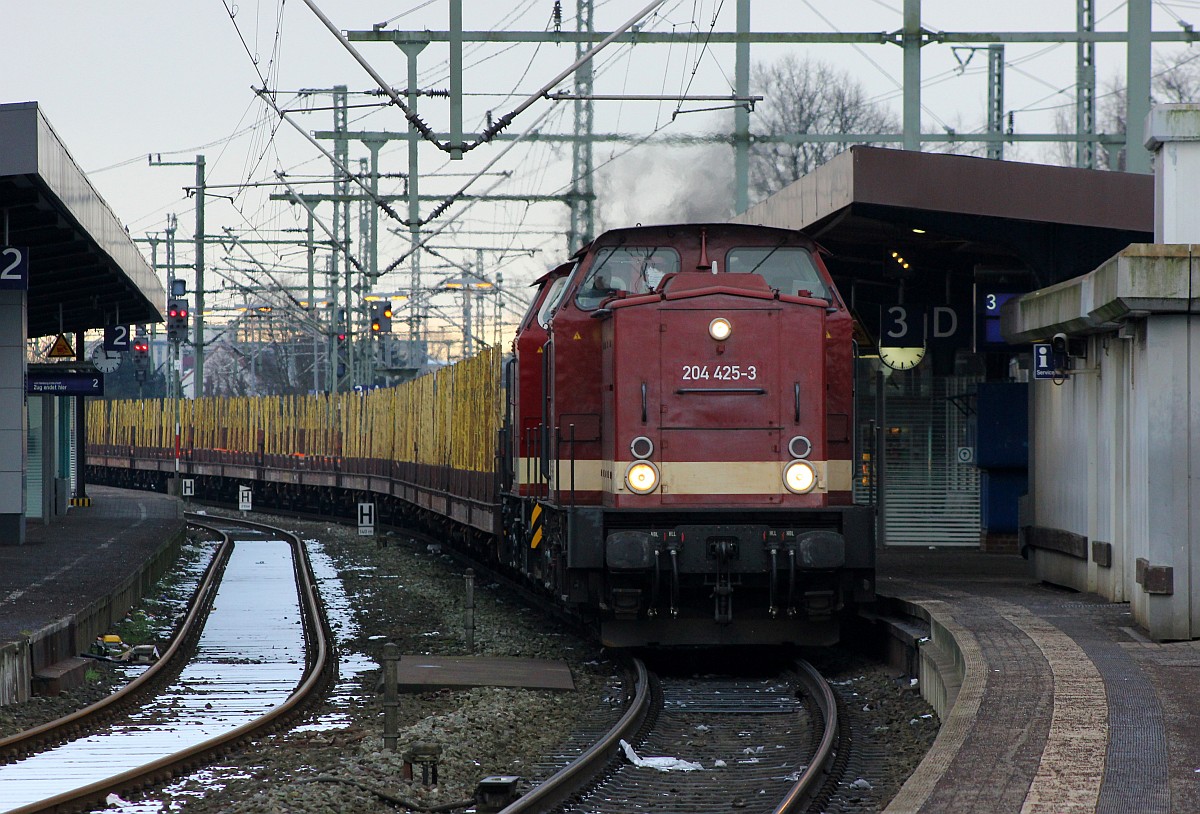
(703, 266)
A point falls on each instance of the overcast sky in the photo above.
(119, 80)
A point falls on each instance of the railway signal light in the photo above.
(141, 352)
(381, 317)
(141, 357)
(177, 320)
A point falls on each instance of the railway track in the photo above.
(702, 721)
(797, 714)
(750, 745)
(252, 652)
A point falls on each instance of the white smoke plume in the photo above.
(666, 184)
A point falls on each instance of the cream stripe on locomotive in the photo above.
(697, 477)
(587, 474)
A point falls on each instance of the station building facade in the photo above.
(927, 248)
(67, 265)
(1113, 503)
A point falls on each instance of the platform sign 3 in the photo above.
(901, 326)
(245, 498)
(366, 519)
(188, 487)
(14, 268)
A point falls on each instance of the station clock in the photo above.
(901, 358)
(106, 361)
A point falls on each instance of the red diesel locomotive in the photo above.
(674, 453)
(680, 441)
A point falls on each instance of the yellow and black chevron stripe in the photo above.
(535, 526)
(81, 501)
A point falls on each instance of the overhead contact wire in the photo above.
(504, 121)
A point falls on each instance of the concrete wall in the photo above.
(1111, 509)
(12, 417)
(71, 635)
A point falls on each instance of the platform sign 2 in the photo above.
(63, 383)
(117, 337)
(245, 498)
(14, 268)
(366, 519)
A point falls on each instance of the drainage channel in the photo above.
(249, 659)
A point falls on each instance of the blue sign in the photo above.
(993, 301)
(64, 383)
(1043, 362)
(14, 268)
(989, 305)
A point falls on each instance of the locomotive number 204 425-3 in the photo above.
(728, 373)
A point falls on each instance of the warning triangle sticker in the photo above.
(61, 349)
(577, 336)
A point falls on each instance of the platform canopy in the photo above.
(85, 271)
(960, 215)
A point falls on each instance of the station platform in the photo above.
(1064, 705)
(76, 576)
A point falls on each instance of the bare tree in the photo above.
(1176, 79)
(1110, 118)
(805, 95)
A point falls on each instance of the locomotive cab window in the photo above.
(790, 270)
(625, 269)
(550, 303)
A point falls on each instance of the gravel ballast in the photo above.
(411, 594)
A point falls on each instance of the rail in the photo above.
(168, 664)
(814, 777)
(560, 786)
(320, 665)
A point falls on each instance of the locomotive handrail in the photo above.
(571, 441)
(557, 464)
(739, 391)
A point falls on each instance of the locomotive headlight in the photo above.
(799, 477)
(641, 477)
(720, 329)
